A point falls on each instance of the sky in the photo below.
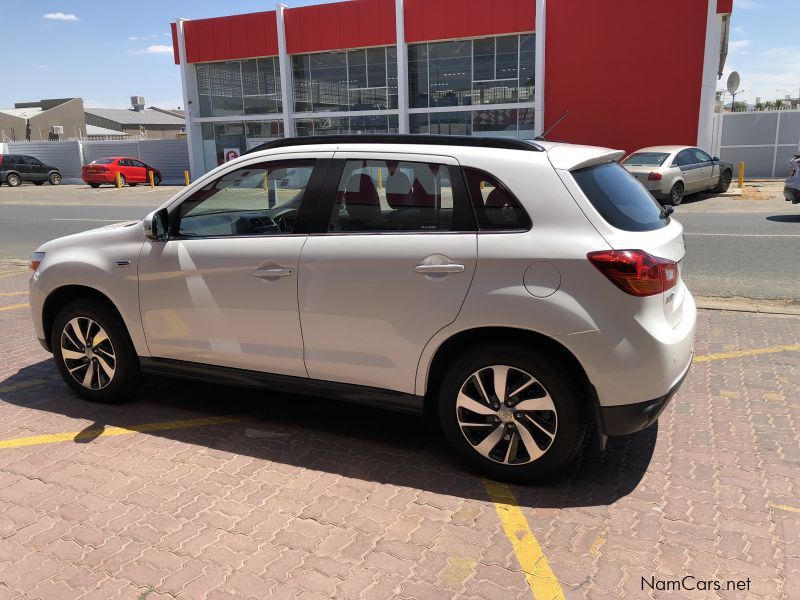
(106, 52)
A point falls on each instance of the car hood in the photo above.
(108, 234)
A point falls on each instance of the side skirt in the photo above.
(357, 394)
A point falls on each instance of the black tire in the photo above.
(38, 182)
(676, 194)
(724, 182)
(122, 180)
(157, 180)
(126, 374)
(55, 178)
(567, 420)
(13, 180)
(133, 184)
(94, 185)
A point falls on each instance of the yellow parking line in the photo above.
(751, 352)
(13, 293)
(13, 306)
(787, 508)
(541, 579)
(75, 436)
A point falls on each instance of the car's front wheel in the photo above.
(676, 194)
(511, 413)
(724, 183)
(93, 352)
(55, 179)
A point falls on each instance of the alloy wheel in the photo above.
(88, 353)
(506, 415)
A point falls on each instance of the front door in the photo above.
(391, 267)
(223, 289)
(693, 175)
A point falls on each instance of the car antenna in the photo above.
(549, 129)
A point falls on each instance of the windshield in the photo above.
(620, 199)
(646, 159)
(103, 161)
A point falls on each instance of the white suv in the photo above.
(518, 290)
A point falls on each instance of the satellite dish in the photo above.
(733, 82)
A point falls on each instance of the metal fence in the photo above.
(764, 141)
(171, 157)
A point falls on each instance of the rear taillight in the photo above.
(636, 272)
(654, 176)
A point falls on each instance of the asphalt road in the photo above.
(735, 247)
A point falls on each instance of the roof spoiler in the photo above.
(572, 157)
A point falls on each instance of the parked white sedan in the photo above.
(671, 172)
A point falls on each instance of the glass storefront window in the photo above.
(363, 79)
(347, 125)
(239, 87)
(494, 70)
(237, 135)
(512, 122)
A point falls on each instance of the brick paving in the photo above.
(313, 499)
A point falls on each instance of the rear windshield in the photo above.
(646, 159)
(620, 199)
(103, 161)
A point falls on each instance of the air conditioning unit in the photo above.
(58, 129)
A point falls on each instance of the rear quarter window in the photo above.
(622, 201)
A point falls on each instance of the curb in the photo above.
(770, 307)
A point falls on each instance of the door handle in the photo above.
(439, 269)
(273, 272)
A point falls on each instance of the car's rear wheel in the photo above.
(93, 352)
(157, 179)
(13, 180)
(676, 194)
(511, 413)
(55, 179)
(724, 182)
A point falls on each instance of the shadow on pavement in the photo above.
(784, 218)
(328, 436)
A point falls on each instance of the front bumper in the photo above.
(792, 195)
(630, 418)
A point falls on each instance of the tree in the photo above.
(779, 104)
(759, 105)
(769, 105)
(739, 107)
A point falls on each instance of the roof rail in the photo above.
(396, 138)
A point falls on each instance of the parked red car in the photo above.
(131, 171)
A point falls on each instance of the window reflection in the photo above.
(242, 87)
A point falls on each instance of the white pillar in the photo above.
(402, 66)
(191, 107)
(287, 92)
(538, 94)
(708, 90)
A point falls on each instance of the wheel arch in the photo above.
(453, 346)
(61, 296)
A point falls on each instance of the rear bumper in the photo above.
(792, 195)
(99, 178)
(630, 418)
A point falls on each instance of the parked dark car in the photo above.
(16, 168)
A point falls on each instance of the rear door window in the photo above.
(495, 206)
(620, 199)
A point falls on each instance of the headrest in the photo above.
(361, 198)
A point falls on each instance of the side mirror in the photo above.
(715, 158)
(156, 225)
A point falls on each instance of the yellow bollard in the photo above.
(152, 181)
(119, 183)
(741, 175)
(380, 179)
(186, 177)
(266, 182)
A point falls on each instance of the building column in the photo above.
(191, 108)
(287, 92)
(538, 93)
(402, 66)
(708, 90)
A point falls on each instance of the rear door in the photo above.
(389, 264)
(21, 166)
(138, 171)
(38, 171)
